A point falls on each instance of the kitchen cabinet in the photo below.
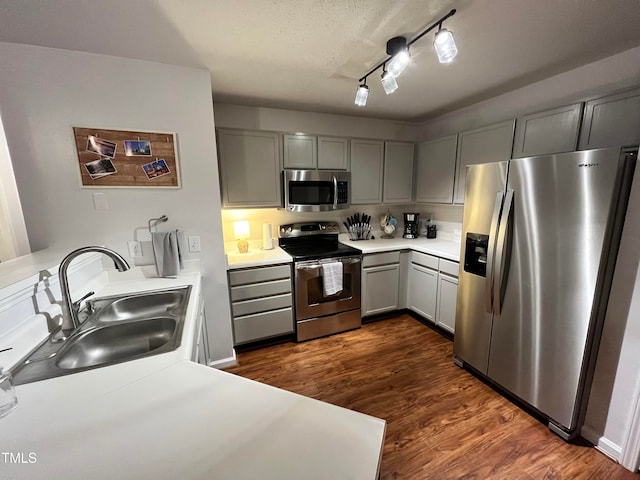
(333, 153)
(483, 145)
(435, 170)
(367, 161)
(611, 121)
(423, 285)
(261, 303)
(447, 294)
(398, 173)
(300, 151)
(551, 131)
(249, 168)
(380, 283)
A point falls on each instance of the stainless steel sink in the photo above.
(114, 329)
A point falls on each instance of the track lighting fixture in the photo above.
(400, 57)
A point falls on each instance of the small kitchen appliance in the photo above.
(315, 190)
(431, 229)
(411, 225)
(314, 246)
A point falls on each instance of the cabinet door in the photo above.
(447, 294)
(398, 172)
(611, 121)
(483, 145)
(380, 289)
(552, 131)
(422, 294)
(366, 171)
(435, 172)
(333, 153)
(249, 168)
(300, 151)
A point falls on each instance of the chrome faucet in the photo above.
(70, 308)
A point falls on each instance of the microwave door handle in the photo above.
(493, 234)
(502, 257)
(335, 193)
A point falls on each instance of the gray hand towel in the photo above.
(166, 251)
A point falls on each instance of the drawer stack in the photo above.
(261, 303)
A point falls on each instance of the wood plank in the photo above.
(442, 422)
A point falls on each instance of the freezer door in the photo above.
(558, 229)
(484, 189)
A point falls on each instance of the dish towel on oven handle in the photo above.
(331, 278)
(166, 252)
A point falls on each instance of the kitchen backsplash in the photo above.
(448, 218)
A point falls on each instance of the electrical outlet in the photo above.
(194, 244)
(134, 249)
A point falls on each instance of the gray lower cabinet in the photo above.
(261, 303)
(380, 283)
(551, 131)
(611, 121)
(367, 161)
(249, 168)
(483, 145)
(423, 285)
(447, 294)
(435, 170)
(300, 151)
(398, 173)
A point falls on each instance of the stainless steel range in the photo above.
(327, 279)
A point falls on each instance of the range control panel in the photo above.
(305, 229)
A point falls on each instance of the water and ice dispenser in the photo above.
(475, 254)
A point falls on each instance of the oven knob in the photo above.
(323, 227)
(282, 230)
(288, 229)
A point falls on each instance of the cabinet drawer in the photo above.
(425, 260)
(381, 259)
(266, 289)
(255, 275)
(258, 305)
(262, 325)
(449, 267)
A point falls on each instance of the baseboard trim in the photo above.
(231, 361)
(603, 444)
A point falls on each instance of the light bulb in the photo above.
(445, 46)
(362, 93)
(389, 83)
(399, 62)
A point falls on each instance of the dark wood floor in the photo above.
(442, 422)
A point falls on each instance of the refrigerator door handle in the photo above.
(493, 234)
(500, 272)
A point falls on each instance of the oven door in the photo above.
(310, 300)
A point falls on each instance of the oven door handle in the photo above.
(314, 264)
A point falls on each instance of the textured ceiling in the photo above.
(308, 54)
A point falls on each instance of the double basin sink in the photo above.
(113, 330)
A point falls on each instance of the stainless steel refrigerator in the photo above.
(539, 244)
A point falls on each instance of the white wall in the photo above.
(280, 120)
(45, 92)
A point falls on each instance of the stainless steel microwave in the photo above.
(316, 190)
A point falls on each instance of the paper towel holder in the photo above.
(267, 237)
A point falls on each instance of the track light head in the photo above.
(445, 46)
(362, 93)
(388, 82)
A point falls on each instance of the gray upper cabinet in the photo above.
(300, 151)
(398, 172)
(611, 121)
(333, 153)
(483, 145)
(435, 170)
(366, 171)
(551, 131)
(249, 168)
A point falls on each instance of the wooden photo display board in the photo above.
(118, 158)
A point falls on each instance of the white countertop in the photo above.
(164, 417)
(256, 257)
(441, 248)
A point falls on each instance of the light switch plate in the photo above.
(194, 244)
(100, 201)
(134, 249)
